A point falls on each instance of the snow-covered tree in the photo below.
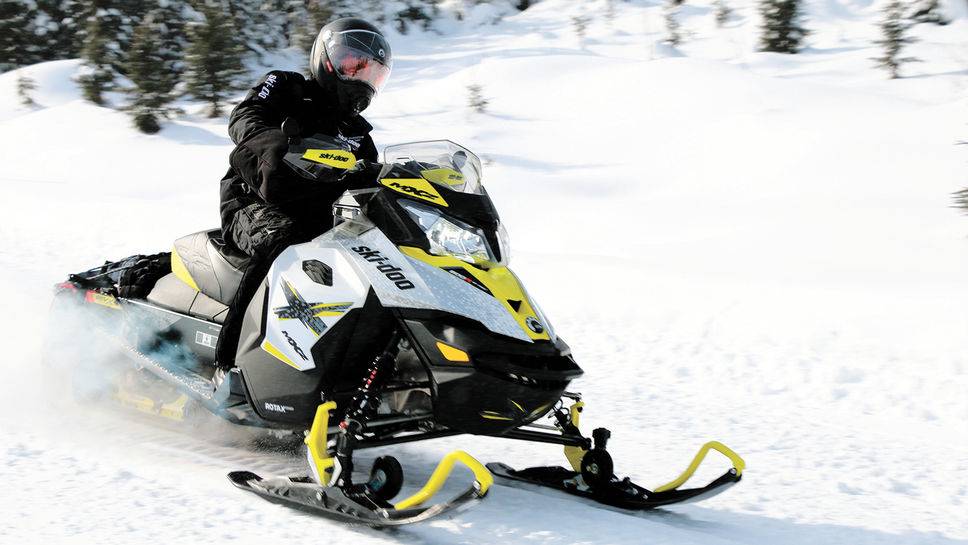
(893, 39)
(214, 57)
(97, 75)
(416, 13)
(307, 20)
(929, 11)
(961, 199)
(723, 12)
(170, 20)
(580, 24)
(610, 12)
(670, 15)
(59, 28)
(261, 25)
(25, 86)
(476, 99)
(16, 34)
(150, 70)
(781, 31)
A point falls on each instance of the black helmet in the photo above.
(352, 58)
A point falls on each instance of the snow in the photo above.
(741, 246)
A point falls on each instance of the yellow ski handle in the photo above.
(738, 464)
(439, 477)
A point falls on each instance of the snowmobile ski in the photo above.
(620, 493)
(362, 504)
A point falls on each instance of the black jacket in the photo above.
(257, 173)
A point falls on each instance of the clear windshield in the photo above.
(440, 162)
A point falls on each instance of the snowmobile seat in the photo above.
(208, 264)
(172, 293)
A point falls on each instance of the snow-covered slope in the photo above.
(740, 246)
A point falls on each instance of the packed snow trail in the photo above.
(738, 246)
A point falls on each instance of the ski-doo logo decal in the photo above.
(445, 176)
(267, 86)
(307, 313)
(295, 345)
(393, 273)
(353, 142)
(335, 158)
(534, 325)
(415, 187)
(205, 339)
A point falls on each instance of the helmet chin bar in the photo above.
(353, 97)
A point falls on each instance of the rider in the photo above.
(264, 207)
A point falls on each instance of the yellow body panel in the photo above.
(452, 354)
(417, 188)
(181, 272)
(335, 158)
(500, 280)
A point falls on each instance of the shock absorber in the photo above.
(367, 399)
(363, 406)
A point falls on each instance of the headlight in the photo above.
(505, 243)
(450, 236)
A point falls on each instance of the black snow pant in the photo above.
(262, 232)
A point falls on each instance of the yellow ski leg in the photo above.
(320, 461)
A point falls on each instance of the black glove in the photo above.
(259, 161)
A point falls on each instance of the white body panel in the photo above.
(361, 257)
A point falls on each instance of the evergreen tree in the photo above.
(929, 11)
(723, 12)
(781, 30)
(961, 199)
(59, 29)
(610, 12)
(313, 16)
(110, 23)
(25, 86)
(416, 12)
(170, 20)
(475, 98)
(580, 24)
(260, 24)
(214, 58)
(97, 76)
(16, 34)
(150, 70)
(893, 39)
(670, 15)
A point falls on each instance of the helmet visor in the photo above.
(360, 55)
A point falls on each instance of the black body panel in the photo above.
(384, 210)
(282, 393)
(506, 384)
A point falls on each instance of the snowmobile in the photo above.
(402, 323)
